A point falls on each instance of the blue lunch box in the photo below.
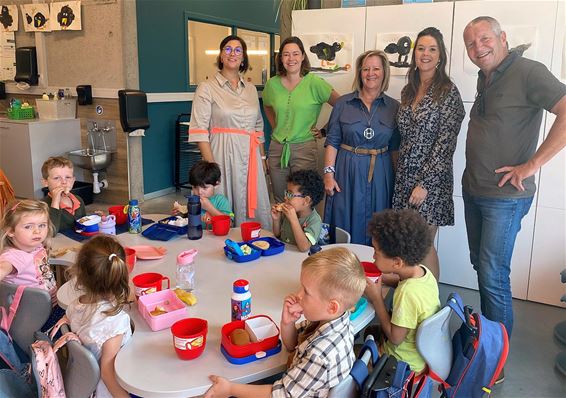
(275, 246)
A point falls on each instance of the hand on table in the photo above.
(292, 310)
(220, 387)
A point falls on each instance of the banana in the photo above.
(186, 297)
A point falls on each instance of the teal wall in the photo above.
(163, 67)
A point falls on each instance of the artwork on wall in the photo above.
(36, 17)
(329, 52)
(66, 16)
(7, 55)
(398, 47)
(9, 18)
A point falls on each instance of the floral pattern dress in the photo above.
(428, 140)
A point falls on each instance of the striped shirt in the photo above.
(322, 361)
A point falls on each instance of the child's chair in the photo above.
(32, 313)
(6, 192)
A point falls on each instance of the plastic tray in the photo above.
(164, 232)
(360, 307)
(244, 351)
(275, 246)
(174, 305)
(254, 255)
(253, 357)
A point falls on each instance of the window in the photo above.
(203, 41)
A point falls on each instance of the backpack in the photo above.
(10, 353)
(480, 347)
(45, 364)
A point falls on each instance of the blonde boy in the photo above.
(64, 207)
(332, 281)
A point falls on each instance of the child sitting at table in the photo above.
(64, 206)
(204, 177)
(98, 315)
(332, 281)
(296, 221)
(25, 233)
(401, 239)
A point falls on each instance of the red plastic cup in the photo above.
(118, 212)
(220, 225)
(371, 270)
(189, 337)
(250, 230)
(149, 282)
(130, 258)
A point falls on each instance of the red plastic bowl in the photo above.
(371, 270)
(118, 211)
(130, 258)
(189, 337)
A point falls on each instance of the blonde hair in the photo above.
(13, 215)
(339, 273)
(55, 161)
(357, 85)
(101, 272)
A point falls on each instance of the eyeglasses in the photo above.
(291, 195)
(236, 50)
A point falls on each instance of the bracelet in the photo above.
(264, 157)
(329, 169)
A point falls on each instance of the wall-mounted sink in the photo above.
(93, 160)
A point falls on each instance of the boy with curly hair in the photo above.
(401, 239)
(296, 221)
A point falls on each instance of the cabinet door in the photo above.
(15, 157)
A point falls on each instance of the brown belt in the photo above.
(365, 151)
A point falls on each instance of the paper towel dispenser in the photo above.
(133, 110)
(26, 66)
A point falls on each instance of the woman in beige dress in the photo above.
(227, 125)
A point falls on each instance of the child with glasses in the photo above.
(64, 206)
(296, 221)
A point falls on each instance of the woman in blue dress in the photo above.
(361, 144)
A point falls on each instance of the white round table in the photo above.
(148, 365)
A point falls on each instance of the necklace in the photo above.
(369, 133)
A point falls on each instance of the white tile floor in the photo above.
(530, 370)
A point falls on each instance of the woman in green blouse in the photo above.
(292, 101)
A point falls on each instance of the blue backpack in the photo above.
(480, 347)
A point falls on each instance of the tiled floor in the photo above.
(530, 370)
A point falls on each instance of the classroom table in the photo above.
(148, 365)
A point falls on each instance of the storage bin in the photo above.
(169, 301)
(56, 109)
(21, 113)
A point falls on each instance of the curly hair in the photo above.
(310, 184)
(402, 233)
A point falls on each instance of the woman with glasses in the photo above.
(227, 125)
(292, 101)
(429, 120)
(362, 139)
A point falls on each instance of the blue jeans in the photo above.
(492, 225)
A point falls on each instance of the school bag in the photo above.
(480, 348)
(10, 353)
(45, 364)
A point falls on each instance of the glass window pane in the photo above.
(258, 53)
(204, 39)
(276, 44)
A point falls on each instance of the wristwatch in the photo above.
(329, 169)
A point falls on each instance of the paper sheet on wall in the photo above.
(9, 18)
(36, 17)
(7, 56)
(329, 52)
(399, 49)
(66, 15)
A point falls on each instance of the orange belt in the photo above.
(365, 151)
(252, 163)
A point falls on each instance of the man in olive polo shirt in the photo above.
(502, 155)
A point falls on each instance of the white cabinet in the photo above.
(25, 145)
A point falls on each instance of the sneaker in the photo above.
(500, 378)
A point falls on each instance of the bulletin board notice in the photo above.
(7, 56)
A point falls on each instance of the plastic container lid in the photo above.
(186, 257)
(241, 286)
(133, 202)
(193, 198)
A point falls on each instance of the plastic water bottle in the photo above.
(107, 225)
(241, 300)
(134, 217)
(186, 270)
(194, 230)
(314, 249)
